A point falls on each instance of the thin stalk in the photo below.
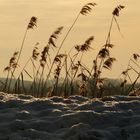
(67, 73)
(71, 83)
(39, 84)
(133, 84)
(6, 82)
(66, 83)
(21, 48)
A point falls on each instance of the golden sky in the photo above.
(15, 15)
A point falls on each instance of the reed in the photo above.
(86, 9)
(31, 25)
(103, 58)
(133, 66)
(9, 69)
(69, 64)
(45, 54)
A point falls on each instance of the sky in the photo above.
(15, 15)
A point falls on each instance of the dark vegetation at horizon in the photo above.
(78, 79)
(110, 87)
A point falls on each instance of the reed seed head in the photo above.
(12, 62)
(35, 52)
(32, 23)
(123, 83)
(116, 11)
(7, 69)
(86, 46)
(59, 57)
(108, 63)
(44, 55)
(54, 36)
(103, 53)
(87, 8)
(57, 71)
(136, 56)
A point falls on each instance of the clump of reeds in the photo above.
(84, 11)
(133, 66)
(44, 55)
(103, 58)
(9, 69)
(31, 24)
(19, 86)
(70, 66)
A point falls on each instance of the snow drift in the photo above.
(24, 117)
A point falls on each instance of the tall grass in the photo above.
(14, 61)
(133, 66)
(47, 71)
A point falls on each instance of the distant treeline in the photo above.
(109, 87)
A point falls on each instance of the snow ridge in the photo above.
(23, 117)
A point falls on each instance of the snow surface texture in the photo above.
(75, 118)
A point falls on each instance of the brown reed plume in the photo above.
(108, 63)
(116, 13)
(51, 42)
(87, 8)
(35, 53)
(86, 46)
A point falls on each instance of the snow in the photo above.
(24, 117)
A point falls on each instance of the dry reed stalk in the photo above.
(64, 94)
(34, 57)
(86, 46)
(44, 55)
(30, 25)
(130, 67)
(84, 81)
(104, 54)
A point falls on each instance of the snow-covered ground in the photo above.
(75, 118)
